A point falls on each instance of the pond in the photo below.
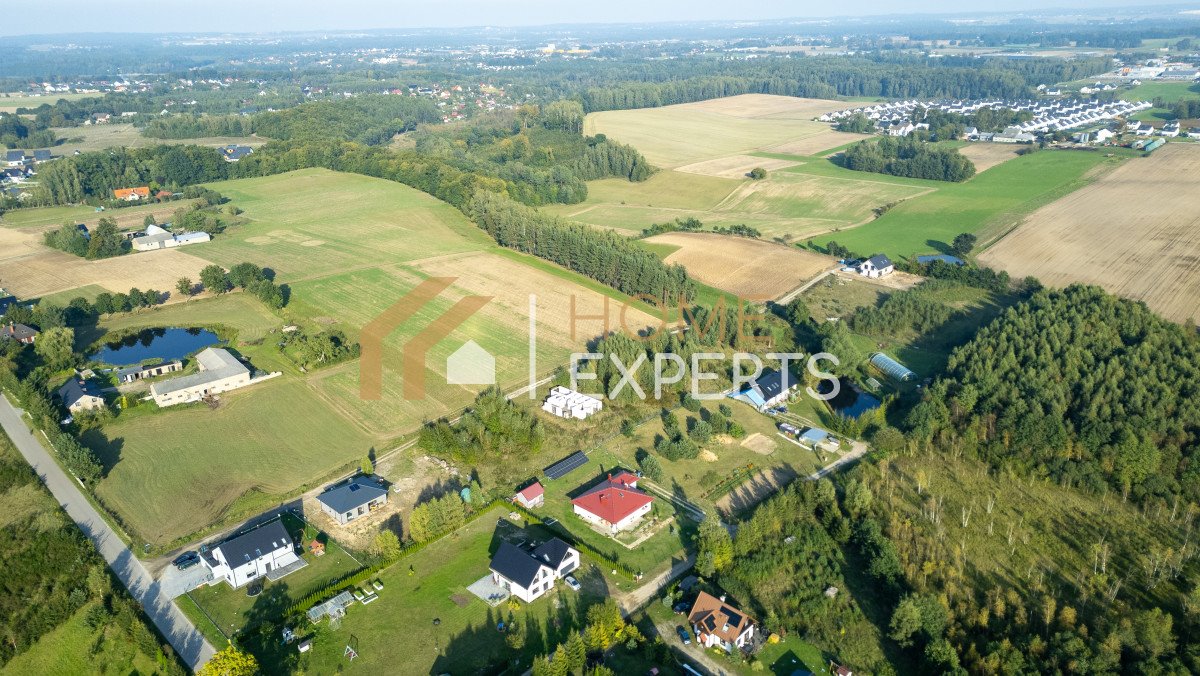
(160, 343)
(850, 401)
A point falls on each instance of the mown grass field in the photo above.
(1169, 92)
(988, 205)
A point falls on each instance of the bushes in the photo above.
(909, 157)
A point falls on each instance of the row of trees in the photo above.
(909, 157)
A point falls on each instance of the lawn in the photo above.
(395, 634)
(67, 650)
(232, 610)
(988, 205)
(10, 102)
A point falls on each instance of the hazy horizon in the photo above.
(228, 16)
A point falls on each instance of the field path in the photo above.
(191, 646)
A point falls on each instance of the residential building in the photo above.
(567, 403)
(771, 387)
(263, 551)
(233, 153)
(529, 575)
(876, 266)
(533, 495)
(354, 499)
(80, 396)
(219, 372)
(128, 375)
(718, 624)
(157, 237)
(19, 332)
(14, 158)
(131, 194)
(614, 504)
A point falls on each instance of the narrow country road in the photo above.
(191, 646)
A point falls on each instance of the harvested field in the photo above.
(748, 268)
(735, 166)
(674, 136)
(101, 136)
(818, 144)
(987, 155)
(1135, 232)
(31, 270)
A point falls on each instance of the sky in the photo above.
(247, 16)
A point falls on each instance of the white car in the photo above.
(572, 582)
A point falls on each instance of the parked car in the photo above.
(681, 607)
(186, 560)
(572, 582)
(683, 635)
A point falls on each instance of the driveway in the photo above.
(188, 643)
(176, 583)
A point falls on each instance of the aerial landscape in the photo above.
(667, 338)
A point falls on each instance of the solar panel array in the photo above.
(567, 465)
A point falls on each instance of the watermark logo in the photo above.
(469, 366)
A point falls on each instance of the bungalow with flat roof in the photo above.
(567, 403)
(720, 625)
(354, 499)
(219, 372)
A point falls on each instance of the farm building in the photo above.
(266, 550)
(533, 495)
(876, 266)
(719, 624)
(815, 437)
(567, 403)
(528, 575)
(614, 504)
(892, 368)
(768, 389)
(219, 372)
(131, 194)
(160, 238)
(80, 396)
(128, 375)
(354, 499)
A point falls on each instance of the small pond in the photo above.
(162, 343)
(850, 401)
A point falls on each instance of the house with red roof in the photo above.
(531, 496)
(131, 194)
(614, 504)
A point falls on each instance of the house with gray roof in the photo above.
(528, 575)
(80, 396)
(354, 499)
(265, 551)
(219, 372)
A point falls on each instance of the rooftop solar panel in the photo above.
(567, 465)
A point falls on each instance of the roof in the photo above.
(42, 155)
(814, 435)
(357, 492)
(14, 155)
(612, 500)
(189, 237)
(714, 616)
(553, 552)
(254, 543)
(215, 364)
(153, 239)
(18, 332)
(236, 152)
(769, 384)
(515, 564)
(879, 261)
(532, 491)
(124, 193)
(139, 368)
(75, 389)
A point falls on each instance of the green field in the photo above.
(1169, 92)
(67, 651)
(10, 102)
(988, 205)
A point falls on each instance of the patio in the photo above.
(489, 592)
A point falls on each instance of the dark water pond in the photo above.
(850, 402)
(163, 343)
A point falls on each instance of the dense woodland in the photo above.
(910, 157)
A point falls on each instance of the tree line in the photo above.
(909, 157)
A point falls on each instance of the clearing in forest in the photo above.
(1135, 232)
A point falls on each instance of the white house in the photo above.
(79, 395)
(876, 266)
(354, 499)
(160, 238)
(567, 403)
(266, 550)
(528, 575)
(614, 504)
(219, 372)
(719, 625)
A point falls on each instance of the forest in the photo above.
(1080, 386)
(910, 157)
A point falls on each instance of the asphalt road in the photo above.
(191, 646)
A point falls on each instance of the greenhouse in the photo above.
(892, 368)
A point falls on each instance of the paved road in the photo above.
(191, 646)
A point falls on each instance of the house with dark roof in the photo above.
(19, 332)
(614, 504)
(354, 499)
(42, 156)
(720, 624)
(233, 153)
(771, 387)
(263, 551)
(528, 575)
(14, 158)
(878, 265)
(80, 396)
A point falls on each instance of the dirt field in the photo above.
(735, 166)
(818, 144)
(1135, 232)
(748, 268)
(987, 155)
(674, 136)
